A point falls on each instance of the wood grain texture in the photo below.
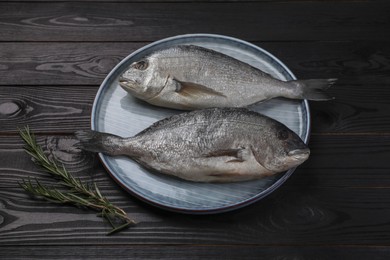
(55, 54)
(335, 161)
(199, 252)
(50, 109)
(346, 161)
(358, 65)
(352, 62)
(59, 63)
(320, 20)
(65, 109)
(312, 216)
(307, 210)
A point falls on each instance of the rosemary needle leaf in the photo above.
(117, 229)
(98, 191)
(76, 191)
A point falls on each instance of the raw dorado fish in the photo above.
(192, 77)
(209, 145)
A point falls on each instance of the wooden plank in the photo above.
(198, 252)
(281, 21)
(355, 63)
(65, 109)
(56, 63)
(307, 210)
(346, 161)
(60, 63)
(355, 111)
(335, 161)
(49, 109)
(330, 216)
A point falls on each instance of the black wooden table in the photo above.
(53, 57)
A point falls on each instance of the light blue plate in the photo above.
(114, 111)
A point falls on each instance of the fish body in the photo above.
(192, 77)
(209, 145)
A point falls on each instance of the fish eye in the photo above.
(282, 134)
(141, 65)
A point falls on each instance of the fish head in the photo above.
(142, 79)
(285, 150)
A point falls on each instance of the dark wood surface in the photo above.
(55, 54)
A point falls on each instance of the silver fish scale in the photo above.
(193, 64)
(196, 134)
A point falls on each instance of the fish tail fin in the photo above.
(314, 89)
(94, 141)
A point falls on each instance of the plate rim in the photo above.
(214, 210)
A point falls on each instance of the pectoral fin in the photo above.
(190, 89)
(228, 165)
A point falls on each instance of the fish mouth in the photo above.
(299, 154)
(126, 83)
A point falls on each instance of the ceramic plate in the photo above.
(115, 111)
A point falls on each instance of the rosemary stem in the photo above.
(77, 193)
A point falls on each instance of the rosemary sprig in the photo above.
(76, 192)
